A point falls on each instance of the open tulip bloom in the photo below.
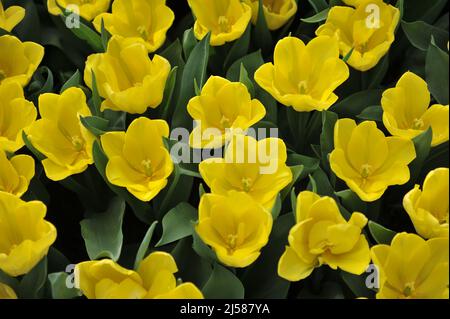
(224, 149)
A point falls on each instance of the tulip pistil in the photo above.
(148, 168)
(77, 143)
(366, 170)
(143, 32)
(302, 87)
(225, 122)
(247, 184)
(409, 290)
(224, 24)
(418, 124)
(231, 243)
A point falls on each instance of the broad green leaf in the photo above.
(297, 172)
(177, 223)
(318, 5)
(102, 232)
(261, 34)
(143, 247)
(42, 82)
(105, 35)
(357, 285)
(251, 63)
(169, 93)
(318, 17)
(189, 42)
(354, 104)
(96, 125)
(381, 234)
(372, 113)
(420, 34)
(239, 49)
(437, 73)
(174, 54)
(223, 284)
(422, 144)
(276, 209)
(32, 284)
(329, 120)
(74, 81)
(59, 288)
(83, 32)
(96, 101)
(351, 201)
(419, 10)
(244, 79)
(202, 249)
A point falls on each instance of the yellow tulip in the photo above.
(88, 10)
(154, 279)
(15, 173)
(25, 236)
(367, 160)
(276, 12)
(6, 292)
(257, 168)
(60, 136)
(322, 236)
(148, 20)
(18, 60)
(16, 114)
(368, 30)
(227, 20)
(304, 76)
(126, 76)
(222, 109)
(428, 208)
(412, 268)
(235, 226)
(406, 111)
(10, 17)
(353, 3)
(138, 159)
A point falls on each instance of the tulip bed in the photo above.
(108, 188)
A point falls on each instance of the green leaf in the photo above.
(83, 32)
(195, 68)
(297, 172)
(422, 144)
(323, 184)
(32, 284)
(189, 42)
(223, 284)
(262, 35)
(357, 285)
(169, 93)
(31, 148)
(177, 223)
(310, 164)
(102, 232)
(354, 104)
(96, 125)
(105, 36)
(244, 79)
(276, 209)
(261, 279)
(420, 34)
(419, 10)
(96, 100)
(143, 247)
(376, 75)
(437, 73)
(294, 202)
(59, 288)
(239, 49)
(372, 113)
(73, 81)
(251, 63)
(351, 201)
(382, 235)
(329, 120)
(318, 5)
(348, 55)
(42, 82)
(174, 54)
(202, 249)
(318, 17)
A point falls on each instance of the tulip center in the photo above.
(77, 143)
(231, 243)
(148, 168)
(2, 75)
(247, 184)
(409, 289)
(225, 122)
(142, 30)
(224, 24)
(303, 87)
(366, 170)
(418, 124)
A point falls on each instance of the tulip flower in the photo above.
(322, 236)
(353, 3)
(367, 160)
(235, 226)
(227, 20)
(6, 292)
(10, 17)
(367, 31)
(154, 279)
(25, 236)
(412, 268)
(276, 12)
(142, 19)
(126, 77)
(222, 109)
(88, 10)
(60, 136)
(18, 60)
(407, 112)
(138, 159)
(428, 208)
(15, 173)
(304, 76)
(255, 167)
(16, 114)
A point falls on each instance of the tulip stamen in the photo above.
(231, 242)
(224, 24)
(148, 168)
(409, 289)
(418, 124)
(247, 184)
(225, 122)
(366, 171)
(303, 87)
(142, 30)
(77, 143)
